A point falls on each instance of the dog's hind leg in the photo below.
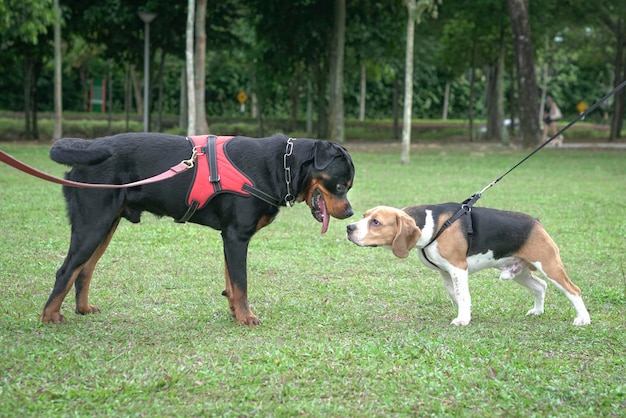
(536, 286)
(87, 245)
(555, 272)
(84, 278)
(447, 283)
(542, 252)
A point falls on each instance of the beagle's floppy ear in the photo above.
(407, 234)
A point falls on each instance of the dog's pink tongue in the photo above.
(325, 217)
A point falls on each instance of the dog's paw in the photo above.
(460, 322)
(534, 312)
(89, 309)
(582, 321)
(54, 318)
(250, 320)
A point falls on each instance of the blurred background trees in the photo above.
(279, 53)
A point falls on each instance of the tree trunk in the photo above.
(58, 97)
(336, 121)
(258, 106)
(513, 105)
(109, 96)
(495, 97)
(395, 107)
(544, 80)
(128, 100)
(136, 89)
(446, 101)
(470, 107)
(202, 126)
(322, 101)
(309, 107)
(408, 83)
(159, 124)
(294, 96)
(83, 74)
(498, 126)
(363, 92)
(189, 62)
(28, 96)
(618, 101)
(526, 79)
(254, 105)
(182, 114)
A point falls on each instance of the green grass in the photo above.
(346, 331)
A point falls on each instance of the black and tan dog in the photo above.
(254, 178)
(513, 242)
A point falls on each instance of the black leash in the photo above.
(466, 206)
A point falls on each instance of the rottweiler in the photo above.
(237, 186)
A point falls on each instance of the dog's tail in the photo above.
(75, 151)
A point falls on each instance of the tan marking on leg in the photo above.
(541, 248)
(238, 302)
(82, 297)
(228, 289)
(243, 314)
(52, 312)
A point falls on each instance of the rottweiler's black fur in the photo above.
(321, 175)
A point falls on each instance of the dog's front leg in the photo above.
(460, 285)
(235, 254)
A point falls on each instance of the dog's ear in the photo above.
(407, 234)
(326, 152)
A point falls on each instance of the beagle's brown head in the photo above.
(385, 226)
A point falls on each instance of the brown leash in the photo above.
(169, 173)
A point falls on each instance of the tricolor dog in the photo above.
(237, 186)
(512, 242)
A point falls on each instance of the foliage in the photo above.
(24, 20)
(274, 47)
(346, 331)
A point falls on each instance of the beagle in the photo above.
(512, 242)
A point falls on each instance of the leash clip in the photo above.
(190, 162)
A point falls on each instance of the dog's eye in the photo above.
(374, 222)
(341, 188)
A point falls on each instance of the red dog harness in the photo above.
(216, 173)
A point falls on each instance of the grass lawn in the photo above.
(346, 331)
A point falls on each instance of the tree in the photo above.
(336, 122)
(415, 10)
(191, 92)
(526, 79)
(202, 127)
(408, 82)
(58, 98)
(24, 27)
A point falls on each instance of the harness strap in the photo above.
(260, 194)
(211, 159)
(466, 209)
(211, 150)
